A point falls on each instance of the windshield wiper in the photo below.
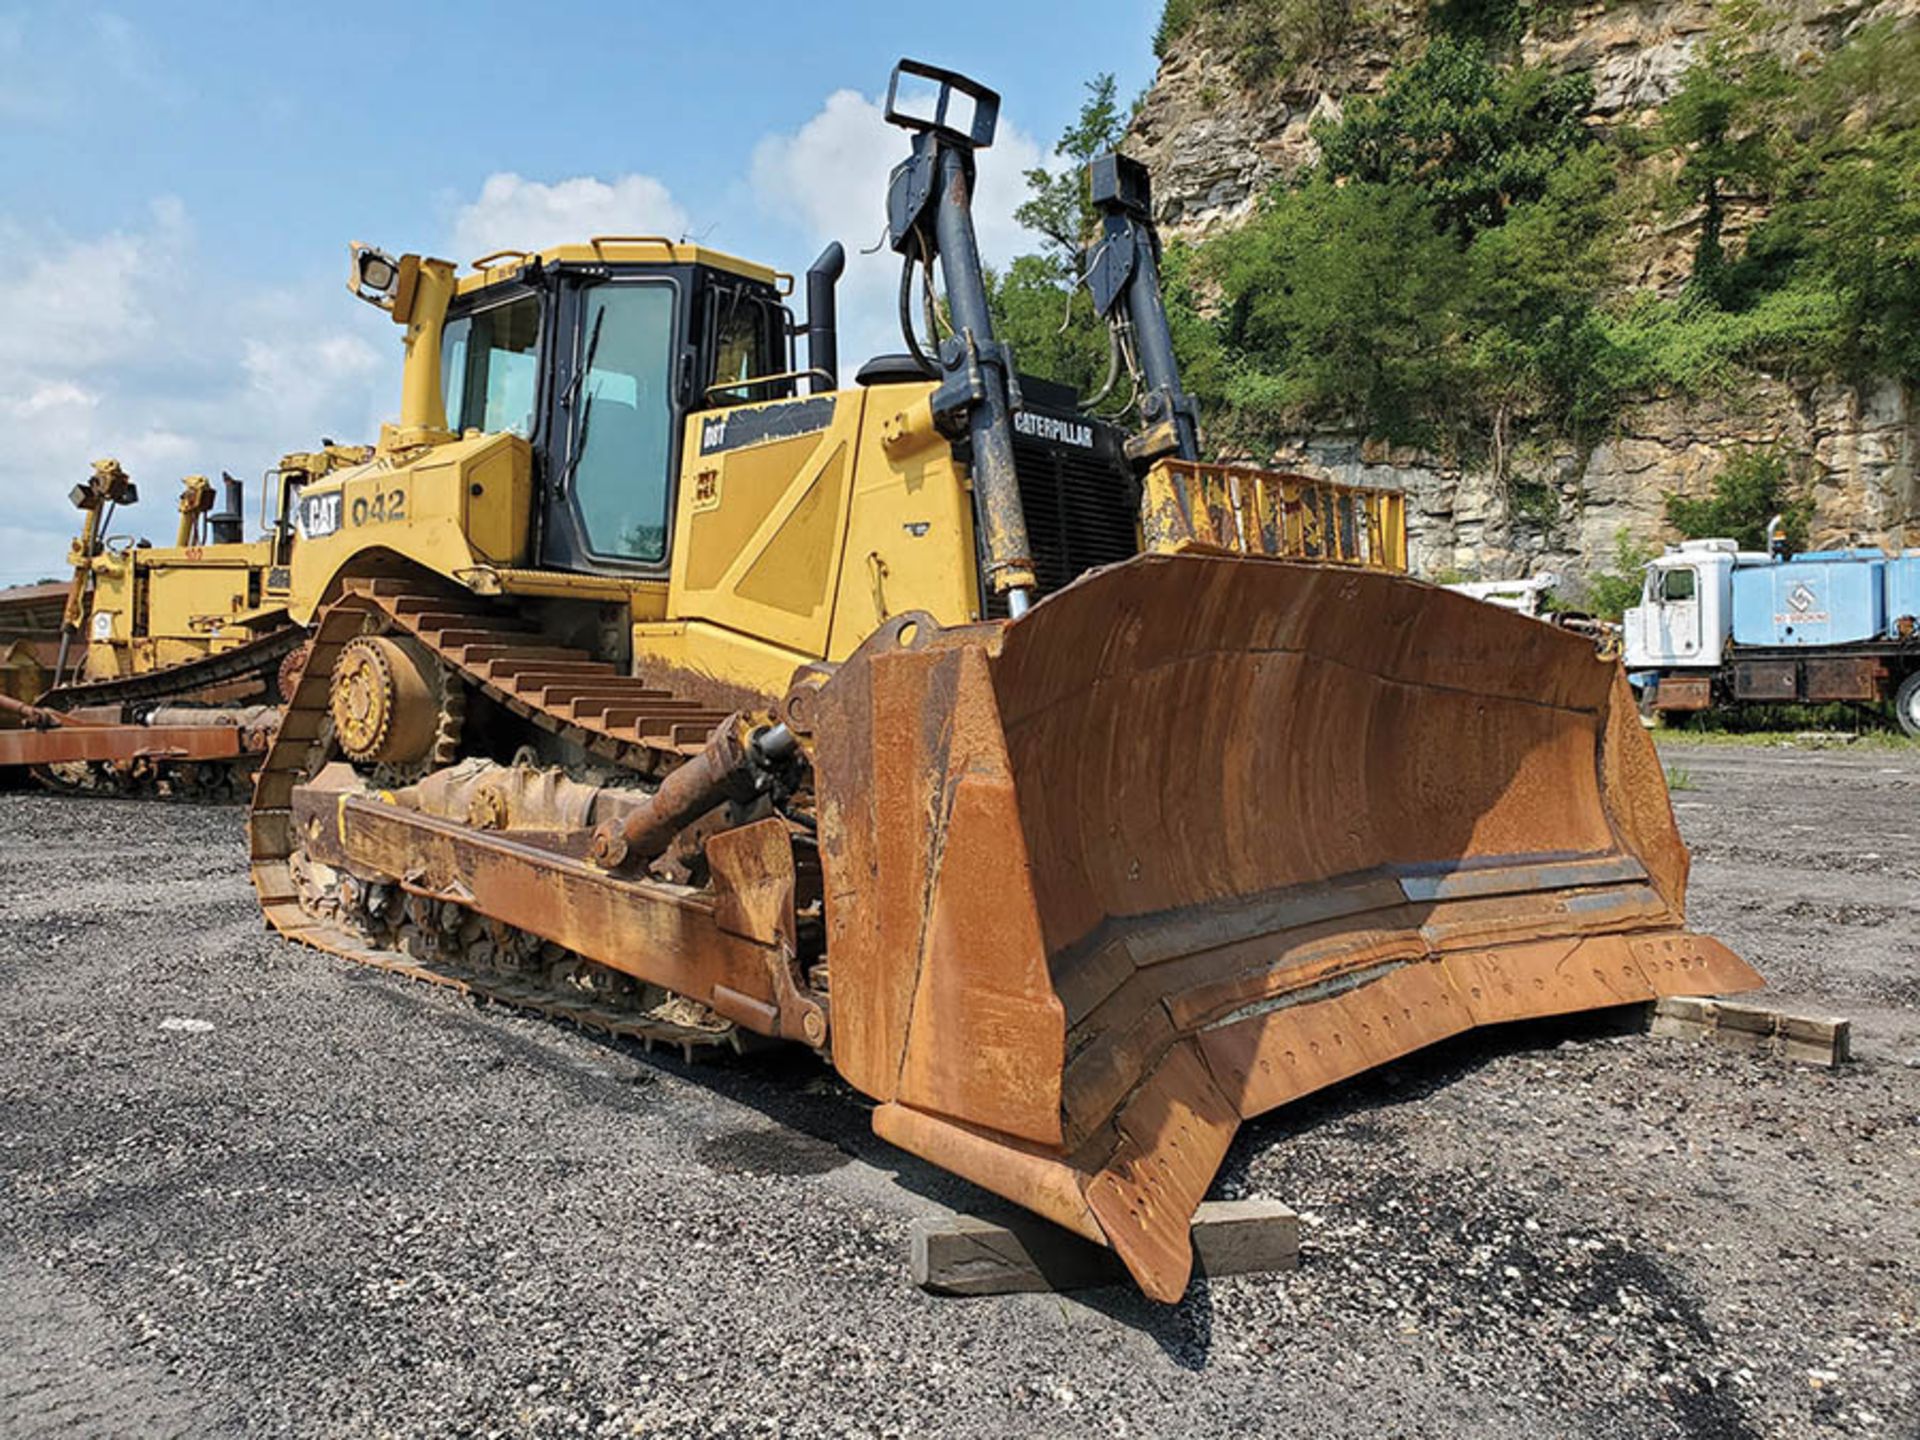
(579, 444)
(593, 349)
(586, 409)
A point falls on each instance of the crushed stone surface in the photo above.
(246, 1188)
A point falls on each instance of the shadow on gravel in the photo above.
(1410, 1080)
(1184, 1332)
(820, 1122)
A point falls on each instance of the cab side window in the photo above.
(489, 364)
(742, 348)
(1682, 584)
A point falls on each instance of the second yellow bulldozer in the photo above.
(1075, 799)
(164, 672)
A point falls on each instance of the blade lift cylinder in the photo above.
(930, 217)
(1124, 279)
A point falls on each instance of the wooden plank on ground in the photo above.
(969, 1255)
(1812, 1040)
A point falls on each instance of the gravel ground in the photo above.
(249, 1188)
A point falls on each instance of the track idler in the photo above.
(385, 700)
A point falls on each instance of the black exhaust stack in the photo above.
(929, 217)
(823, 325)
(227, 526)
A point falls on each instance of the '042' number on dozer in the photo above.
(322, 514)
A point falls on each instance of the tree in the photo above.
(1610, 593)
(1040, 308)
(1475, 139)
(1749, 491)
(1176, 18)
(1719, 118)
(1057, 207)
(1435, 278)
(1264, 37)
(1050, 324)
(1848, 214)
(1342, 305)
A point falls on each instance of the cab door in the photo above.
(616, 421)
(1676, 613)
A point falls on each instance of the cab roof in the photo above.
(505, 265)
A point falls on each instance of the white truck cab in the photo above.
(1686, 607)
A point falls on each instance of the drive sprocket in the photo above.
(396, 708)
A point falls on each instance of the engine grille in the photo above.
(1082, 508)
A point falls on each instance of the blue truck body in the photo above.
(1823, 598)
(1903, 594)
(1722, 626)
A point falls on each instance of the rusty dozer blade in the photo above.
(1200, 835)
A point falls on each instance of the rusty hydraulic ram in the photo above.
(51, 738)
(734, 766)
(35, 717)
(929, 217)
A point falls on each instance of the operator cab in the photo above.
(596, 355)
(1684, 610)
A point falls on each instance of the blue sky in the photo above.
(178, 183)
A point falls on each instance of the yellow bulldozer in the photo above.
(1075, 799)
(165, 673)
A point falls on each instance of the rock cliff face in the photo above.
(1853, 452)
(1216, 144)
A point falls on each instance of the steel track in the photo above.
(256, 657)
(559, 689)
(259, 658)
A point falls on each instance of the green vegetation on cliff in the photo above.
(1749, 491)
(1448, 273)
(1435, 277)
(1452, 271)
(1264, 37)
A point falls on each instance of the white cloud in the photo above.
(826, 180)
(830, 177)
(53, 395)
(79, 303)
(832, 171)
(514, 213)
(293, 373)
(111, 344)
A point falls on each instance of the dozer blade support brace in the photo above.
(1077, 799)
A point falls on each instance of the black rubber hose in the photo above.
(927, 367)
